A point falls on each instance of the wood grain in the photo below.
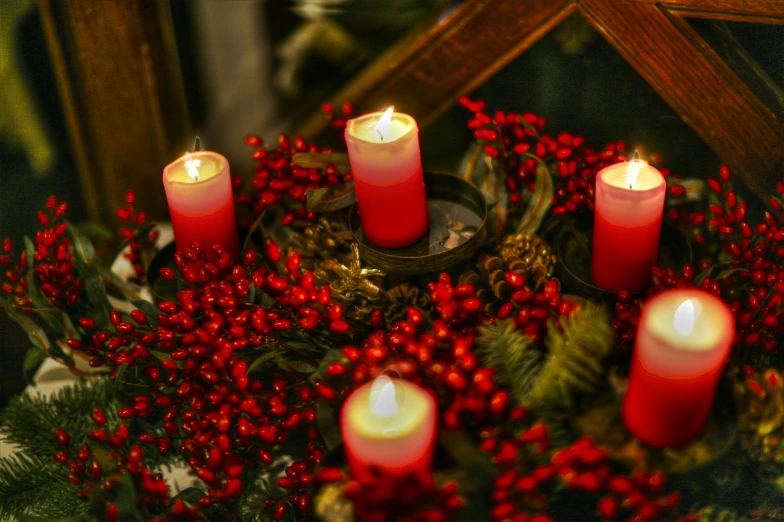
(424, 75)
(119, 80)
(698, 84)
(761, 11)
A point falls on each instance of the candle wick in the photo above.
(380, 136)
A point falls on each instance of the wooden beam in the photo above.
(759, 11)
(424, 74)
(702, 89)
(119, 80)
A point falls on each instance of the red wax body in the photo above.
(217, 227)
(393, 215)
(388, 178)
(627, 226)
(201, 203)
(674, 376)
(623, 256)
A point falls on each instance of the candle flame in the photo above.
(382, 398)
(684, 318)
(192, 166)
(633, 170)
(382, 127)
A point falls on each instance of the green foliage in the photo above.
(548, 381)
(30, 420)
(36, 486)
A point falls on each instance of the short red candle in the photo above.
(389, 425)
(683, 341)
(627, 225)
(387, 169)
(201, 204)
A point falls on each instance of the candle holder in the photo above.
(574, 247)
(458, 217)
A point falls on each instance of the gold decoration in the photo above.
(351, 285)
(761, 421)
(327, 238)
(400, 298)
(332, 505)
(531, 250)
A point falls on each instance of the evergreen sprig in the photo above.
(30, 420)
(547, 380)
(36, 486)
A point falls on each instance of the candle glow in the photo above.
(382, 127)
(192, 165)
(383, 402)
(683, 341)
(633, 170)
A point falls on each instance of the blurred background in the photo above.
(73, 74)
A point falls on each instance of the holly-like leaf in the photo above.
(83, 247)
(148, 309)
(327, 423)
(96, 293)
(269, 356)
(331, 198)
(34, 332)
(539, 203)
(32, 361)
(726, 273)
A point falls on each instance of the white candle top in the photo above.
(688, 321)
(195, 167)
(388, 409)
(371, 129)
(633, 175)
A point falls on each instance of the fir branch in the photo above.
(36, 486)
(30, 420)
(576, 351)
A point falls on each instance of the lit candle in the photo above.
(391, 425)
(627, 225)
(383, 149)
(201, 204)
(683, 342)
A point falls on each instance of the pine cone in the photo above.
(400, 298)
(524, 254)
(534, 252)
(761, 421)
(326, 238)
(352, 285)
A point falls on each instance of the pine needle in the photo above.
(36, 486)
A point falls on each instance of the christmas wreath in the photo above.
(236, 369)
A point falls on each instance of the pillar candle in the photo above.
(383, 150)
(627, 225)
(201, 204)
(391, 425)
(683, 341)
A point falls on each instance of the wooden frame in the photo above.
(120, 85)
(425, 76)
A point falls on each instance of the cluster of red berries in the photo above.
(278, 181)
(582, 467)
(52, 263)
(139, 233)
(518, 143)
(338, 120)
(97, 473)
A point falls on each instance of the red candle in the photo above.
(390, 425)
(201, 204)
(383, 149)
(683, 341)
(627, 225)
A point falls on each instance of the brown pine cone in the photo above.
(400, 298)
(534, 252)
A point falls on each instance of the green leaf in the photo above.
(269, 356)
(35, 333)
(333, 198)
(189, 495)
(124, 495)
(83, 247)
(96, 294)
(726, 273)
(327, 423)
(539, 203)
(32, 361)
(148, 309)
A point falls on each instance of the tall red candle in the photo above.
(627, 225)
(683, 341)
(201, 204)
(383, 149)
